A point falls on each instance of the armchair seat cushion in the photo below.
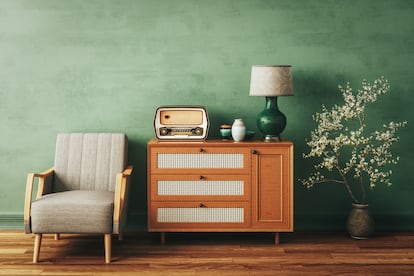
(77, 211)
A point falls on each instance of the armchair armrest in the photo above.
(121, 188)
(44, 180)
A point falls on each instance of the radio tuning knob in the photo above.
(198, 131)
(164, 131)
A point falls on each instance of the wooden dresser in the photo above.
(220, 186)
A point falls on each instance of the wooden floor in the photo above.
(216, 254)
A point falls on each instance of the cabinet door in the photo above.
(272, 188)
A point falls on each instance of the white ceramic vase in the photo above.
(238, 130)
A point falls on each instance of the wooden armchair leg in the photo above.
(36, 250)
(108, 247)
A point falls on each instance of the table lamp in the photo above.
(271, 81)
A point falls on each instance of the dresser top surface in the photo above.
(219, 142)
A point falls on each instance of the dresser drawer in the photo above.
(199, 216)
(199, 160)
(200, 187)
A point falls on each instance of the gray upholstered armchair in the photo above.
(85, 192)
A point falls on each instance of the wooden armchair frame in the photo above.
(44, 187)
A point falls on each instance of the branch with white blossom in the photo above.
(341, 131)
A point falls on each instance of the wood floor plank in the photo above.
(211, 254)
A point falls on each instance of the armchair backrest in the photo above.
(89, 161)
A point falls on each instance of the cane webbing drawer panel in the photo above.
(200, 161)
(200, 187)
(176, 187)
(199, 215)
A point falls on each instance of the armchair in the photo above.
(86, 191)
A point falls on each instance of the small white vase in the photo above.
(238, 130)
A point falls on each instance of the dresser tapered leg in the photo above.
(277, 239)
(163, 238)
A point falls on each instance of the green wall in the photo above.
(80, 65)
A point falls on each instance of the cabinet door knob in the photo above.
(201, 149)
(202, 205)
(201, 177)
(254, 151)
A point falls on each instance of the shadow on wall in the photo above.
(137, 206)
(312, 90)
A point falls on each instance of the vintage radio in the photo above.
(181, 123)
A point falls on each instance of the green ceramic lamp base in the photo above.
(271, 122)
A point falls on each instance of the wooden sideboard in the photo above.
(220, 186)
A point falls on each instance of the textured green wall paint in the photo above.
(106, 66)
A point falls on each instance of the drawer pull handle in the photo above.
(254, 151)
(202, 205)
(201, 177)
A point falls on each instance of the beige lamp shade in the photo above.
(271, 80)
